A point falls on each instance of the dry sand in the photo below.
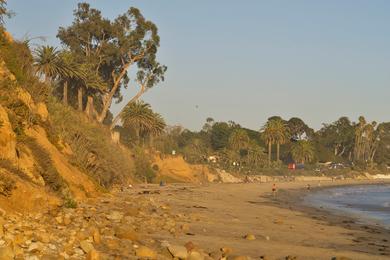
(222, 214)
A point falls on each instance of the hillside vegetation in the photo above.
(48, 149)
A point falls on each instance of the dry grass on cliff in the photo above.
(91, 147)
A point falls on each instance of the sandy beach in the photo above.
(222, 214)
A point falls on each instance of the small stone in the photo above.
(278, 221)
(64, 255)
(67, 220)
(289, 257)
(93, 255)
(145, 252)
(82, 235)
(43, 237)
(190, 246)
(17, 251)
(250, 237)
(115, 216)
(78, 251)
(86, 246)
(112, 244)
(126, 233)
(34, 247)
(240, 257)
(226, 251)
(6, 253)
(96, 236)
(216, 255)
(185, 227)
(178, 251)
(194, 255)
(18, 239)
(131, 211)
(59, 219)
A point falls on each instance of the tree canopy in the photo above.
(111, 48)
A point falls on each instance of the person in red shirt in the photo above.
(274, 189)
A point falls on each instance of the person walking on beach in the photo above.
(308, 187)
(274, 190)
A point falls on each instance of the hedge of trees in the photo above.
(361, 144)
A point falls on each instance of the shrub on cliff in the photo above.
(92, 149)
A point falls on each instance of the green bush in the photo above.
(143, 166)
(70, 203)
(18, 58)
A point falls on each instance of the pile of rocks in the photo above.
(109, 228)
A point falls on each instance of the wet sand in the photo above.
(222, 214)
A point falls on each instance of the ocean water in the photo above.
(367, 203)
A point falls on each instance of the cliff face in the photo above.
(175, 168)
(34, 173)
(7, 137)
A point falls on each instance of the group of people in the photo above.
(274, 189)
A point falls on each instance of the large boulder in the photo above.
(7, 137)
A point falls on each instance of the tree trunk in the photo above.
(89, 108)
(342, 152)
(65, 94)
(151, 140)
(137, 135)
(108, 100)
(80, 98)
(269, 153)
(277, 151)
(135, 98)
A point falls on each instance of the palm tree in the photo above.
(157, 127)
(72, 72)
(238, 139)
(275, 131)
(48, 63)
(302, 151)
(269, 137)
(93, 85)
(281, 135)
(53, 64)
(359, 135)
(140, 116)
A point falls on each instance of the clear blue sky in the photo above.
(248, 60)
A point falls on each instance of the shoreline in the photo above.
(222, 214)
(295, 199)
(298, 197)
